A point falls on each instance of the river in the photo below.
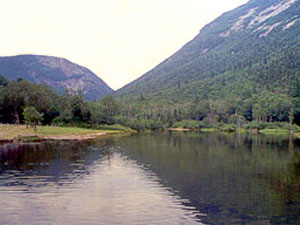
(152, 178)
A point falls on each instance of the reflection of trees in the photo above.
(223, 174)
(52, 160)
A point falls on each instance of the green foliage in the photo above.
(224, 82)
(210, 57)
(16, 95)
(228, 128)
(30, 102)
(110, 108)
(284, 126)
(116, 127)
(73, 108)
(270, 107)
(32, 117)
(215, 79)
(271, 126)
(139, 124)
(191, 124)
(256, 125)
(182, 124)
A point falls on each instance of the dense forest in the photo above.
(20, 97)
(264, 92)
(70, 108)
(240, 71)
(20, 100)
(243, 66)
(258, 41)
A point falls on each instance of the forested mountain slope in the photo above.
(245, 65)
(257, 42)
(57, 73)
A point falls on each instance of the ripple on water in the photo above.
(112, 190)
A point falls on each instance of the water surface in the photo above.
(155, 178)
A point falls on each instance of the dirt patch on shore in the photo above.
(179, 129)
(72, 136)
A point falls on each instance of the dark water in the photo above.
(155, 178)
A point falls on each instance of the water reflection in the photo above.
(34, 165)
(233, 178)
(84, 183)
(155, 178)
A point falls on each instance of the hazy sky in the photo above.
(119, 40)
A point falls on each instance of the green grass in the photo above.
(9, 132)
(274, 131)
(55, 131)
(29, 138)
(115, 127)
(208, 130)
(241, 130)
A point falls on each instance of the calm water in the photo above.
(155, 178)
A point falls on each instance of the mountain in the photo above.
(57, 73)
(249, 50)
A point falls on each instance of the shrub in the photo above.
(281, 125)
(273, 125)
(112, 127)
(32, 117)
(228, 128)
(255, 125)
(191, 124)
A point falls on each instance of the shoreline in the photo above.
(179, 129)
(18, 133)
(89, 134)
(72, 137)
(250, 131)
(75, 137)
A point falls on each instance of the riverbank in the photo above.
(189, 129)
(250, 127)
(251, 131)
(10, 133)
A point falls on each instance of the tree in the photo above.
(259, 112)
(110, 109)
(238, 120)
(291, 115)
(32, 117)
(73, 108)
(96, 112)
(13, 100)
(15, 96)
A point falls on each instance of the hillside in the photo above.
(57, 73)
(258, 44)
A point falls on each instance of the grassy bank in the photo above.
(276, 131)
(13, 132)
(251, 127)
(265, 131)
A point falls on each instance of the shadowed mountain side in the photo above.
(57, 73)
(257, 45)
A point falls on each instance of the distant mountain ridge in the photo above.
(254, 38)
(55, 72)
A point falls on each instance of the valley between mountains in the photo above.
(240, 72)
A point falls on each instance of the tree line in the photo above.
(24, 102)
(21, 100)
